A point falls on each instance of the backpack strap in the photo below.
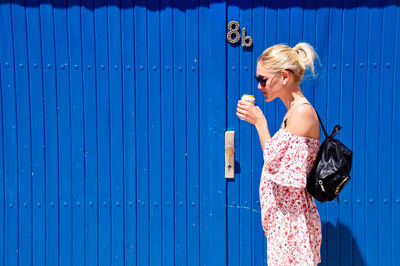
(322, 125)
(334, 132)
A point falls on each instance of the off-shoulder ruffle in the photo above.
(288, 158)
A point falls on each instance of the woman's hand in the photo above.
(250, 112)
(253, 114)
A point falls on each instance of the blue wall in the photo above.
(112, 129)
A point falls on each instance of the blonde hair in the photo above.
(281, 57)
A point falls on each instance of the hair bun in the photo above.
(306, 55)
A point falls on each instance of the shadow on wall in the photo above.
(353, 254)
(192, 4)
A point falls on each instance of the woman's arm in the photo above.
(253, 114)
(263, 132)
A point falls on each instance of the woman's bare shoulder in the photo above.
(304, 121)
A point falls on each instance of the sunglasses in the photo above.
(263, 81)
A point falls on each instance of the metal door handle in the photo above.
(230, 154)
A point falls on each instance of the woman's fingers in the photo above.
(242, 111)
(244, 115)
(244, 104)
(240, 115)
(247, 111)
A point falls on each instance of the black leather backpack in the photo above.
(331, 170)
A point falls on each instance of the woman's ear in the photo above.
(285, 76)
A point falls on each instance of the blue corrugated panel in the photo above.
(37, 135)
(90, 137)
(359, 133)
(129, 127)
(2, 189)
(192, 129)
(142, 129)
(77, 132)
(10, 236)
(385, 132)
(63, 68)
(23, 136)
(103, 136)
(334, 67)
(204, 84)
(51, 136)
(372, 136)
(167, 69)
(395, 155)
(346, 120)
(154, 105)
(180, 135)
(233, 186)
(116, 133)
(217, 126)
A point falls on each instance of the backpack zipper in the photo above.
(321, 184)
(341, 184)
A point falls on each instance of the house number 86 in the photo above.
(233, 34)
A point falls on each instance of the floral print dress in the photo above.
(289, 215)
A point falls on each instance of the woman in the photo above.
(290, 218)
